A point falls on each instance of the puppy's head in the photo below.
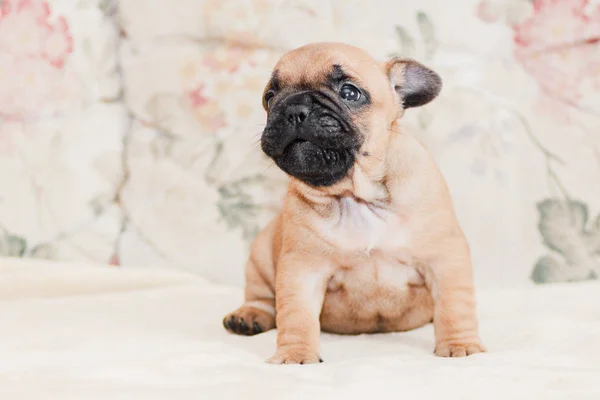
(329, 103)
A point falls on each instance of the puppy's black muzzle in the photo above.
(311, 137)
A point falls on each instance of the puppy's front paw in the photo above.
(459, 348)
(295, 355)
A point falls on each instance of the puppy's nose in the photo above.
(296, 113)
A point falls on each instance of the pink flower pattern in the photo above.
(33, 50)
(58, 44)
(196, 96)
(559, 47)
(205, 110)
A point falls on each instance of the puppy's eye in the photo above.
(268, 100)
(349, 92)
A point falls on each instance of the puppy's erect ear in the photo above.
(414, 83)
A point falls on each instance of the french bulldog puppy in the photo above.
(367, 240)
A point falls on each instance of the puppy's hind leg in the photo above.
(257, 315)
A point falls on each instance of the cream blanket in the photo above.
(87, 332)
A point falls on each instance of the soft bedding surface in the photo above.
(86, 332)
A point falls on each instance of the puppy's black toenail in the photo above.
(320, 360)
(243, 326)
(231, 323)
(256, 328)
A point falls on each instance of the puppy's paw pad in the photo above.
(248, 321)
(295, 356)
(460, 348)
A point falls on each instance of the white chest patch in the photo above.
(360, 226)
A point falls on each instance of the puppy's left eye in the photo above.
(350, 92)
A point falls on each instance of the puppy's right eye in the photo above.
(268, 100)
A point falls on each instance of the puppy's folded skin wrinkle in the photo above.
(367, 240)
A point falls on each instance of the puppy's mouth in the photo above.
(313, 164)
(313, 151)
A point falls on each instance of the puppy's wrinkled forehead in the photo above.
(319, 64)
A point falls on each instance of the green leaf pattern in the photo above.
(575, 243)
(12, 245)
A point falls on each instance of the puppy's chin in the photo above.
(314, 165)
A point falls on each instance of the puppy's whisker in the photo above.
(255, 138)
(268, 166)
(310, 190)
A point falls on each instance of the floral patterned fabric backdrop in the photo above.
(129, 129)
